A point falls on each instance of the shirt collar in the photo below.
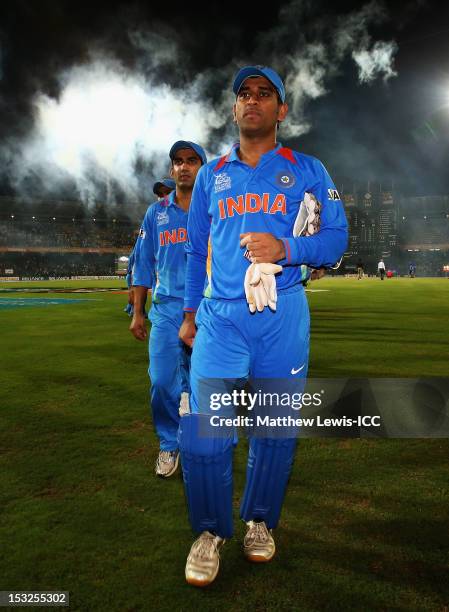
(233, 155)
(169, 200)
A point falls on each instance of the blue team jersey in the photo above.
(230, 198)
(160, 258)
(129, 271)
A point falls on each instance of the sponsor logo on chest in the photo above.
(222, 182)
(250, 203)
(162, 218)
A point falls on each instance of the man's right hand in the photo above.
(187, 331)
(138, 327)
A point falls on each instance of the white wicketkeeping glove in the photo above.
(307, 223)
(308, 219)
(260, 286)
(184, 404)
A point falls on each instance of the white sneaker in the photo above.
(184, 404)
(258, 545)
(203, 560)
(167, 463)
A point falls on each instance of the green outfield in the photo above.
(365, 522)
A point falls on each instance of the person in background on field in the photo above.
(381, 269)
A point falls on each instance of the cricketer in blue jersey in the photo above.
(129, 309)
(247, 241)
(163, 187)
(159, 264)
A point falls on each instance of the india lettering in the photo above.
(252, 203)
(172, 236)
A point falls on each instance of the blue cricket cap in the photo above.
(186, 144)
(166, 182)
(255, 71)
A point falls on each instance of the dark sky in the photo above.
(383, 130)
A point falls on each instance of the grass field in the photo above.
(365, 524)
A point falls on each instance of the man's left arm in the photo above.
(143, 273)
(198, 230)
(325, 247)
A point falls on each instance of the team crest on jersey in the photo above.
(222, 182)
(285, 179)
(142, 233)
(333, 194)
(162, 218)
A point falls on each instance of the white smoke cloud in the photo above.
(314, 61)
(377, 61)
(155, 50)
(305, 81)
(351, 31)
(106, 118)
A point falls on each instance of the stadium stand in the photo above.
(61, 240)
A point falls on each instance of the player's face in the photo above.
(185, 166)
(258, 109)
(163, 191)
